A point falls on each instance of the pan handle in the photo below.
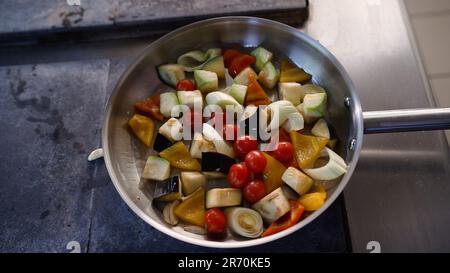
(406, 120)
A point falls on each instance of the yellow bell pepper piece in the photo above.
(312, 201)
(307, 148)
(291, 73)
(178, 155)
(192, 210)
(143, 127)
(272, 173)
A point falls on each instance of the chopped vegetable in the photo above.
(254, 191)
(272, 173)
(229, 55)
(244, 221)
(314, 105)
(298, 181)
(335, 167)
(291, 73)
(161, 143)
(150, 107)
(290, 91)
(273, 206)
(262, 56)
(142, 127)
(239, 63)
(238, 175)
(168, 213)
(178, 155)
(294, 122)
(223, 147)
(206, 81)
(223, 197)
(307, 119)
(284, 151)
(191, 181)
(192, 209)
(332, 143)
(280, 112)
(216, 162)
(185, 85)
(238, 91)
(242, 78)
(168, 190)
(195, 229)
(172, 129)
(310, 89)
(250, 121)
(156, 168)
(320, 129)
(171, 74)
(255, 161)
(221, 99)
(168, 101)
(215, 221)
(190, 98)
(215, 65)
(312, 201)
(255, 93)
(245, 144)
(200, 145)
(287, 221)
(195, 59)
(307, 148)
(269, 75)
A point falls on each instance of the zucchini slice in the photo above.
(215, 65)
(269, 75)
(171, 74)
(206, 81)
(315, 105)
(172, 129)
(168, 101)
(272, 206)
(298, 181)
(262, 56)
(191, 181)
(242, 77)
(238, 92)
(190, 98)
(290, 91)
(226, 197)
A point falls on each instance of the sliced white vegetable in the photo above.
(195, 229)
(294, 122)
(221, 99)
(279, 112)
(225, 197)
(190, 98)
(269, 75)
(244, 221)
(335, 167)
(315, 105)
(191, 181)
(168, 101)
(238, 91)
(214, 174)
(320, 129)
(95, 154)
(215, 65)
(307, 119)
(195, 59)
(223, 147)
(199, 145)
(168, 213)
(206, 81)
(310, 89)
(262, 56)
(272, 206)
(172, 129)
(156, 168)
(297, 180)
(242, 77)
(290, 91)
(171, 74)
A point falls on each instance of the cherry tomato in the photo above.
(256, 161)
(238, 176)
(229, 55)
(215, 221)
(284, 152)
(230, 132)
(245, 144)
(254, 191)
(150, 107)
(185, 85)
(239, 63)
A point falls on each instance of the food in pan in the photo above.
(239, 146)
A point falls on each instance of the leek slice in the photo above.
(195, 59)
(244, 221)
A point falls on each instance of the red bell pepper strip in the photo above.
(229, 55)
(239, 63)
(150, 107)
(287, 221)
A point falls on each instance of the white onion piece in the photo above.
(95, 154)
(221, 145)
(335, 167)
(244, 221)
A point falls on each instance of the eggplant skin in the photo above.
(168, 190)
(161, 143)
(216, 162)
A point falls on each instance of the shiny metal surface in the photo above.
(391, 121)
(125, 157)
(399, 193)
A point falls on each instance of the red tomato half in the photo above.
(215, 221)
(185, 85)
(245, 144)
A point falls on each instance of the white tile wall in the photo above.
(431, 26)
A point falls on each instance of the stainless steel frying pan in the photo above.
(125, 157)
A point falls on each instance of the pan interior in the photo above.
(125, 156)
